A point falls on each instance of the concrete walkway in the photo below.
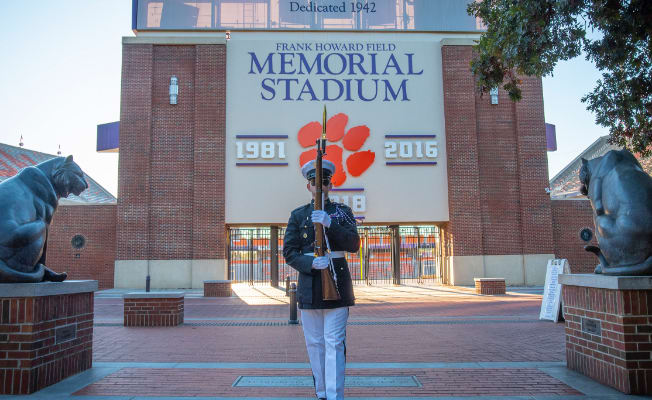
(403, 342)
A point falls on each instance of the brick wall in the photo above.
(95, 260)
(135, 133)
(569, 218)
(30, 358)
(499, 175)
(209, 241)
(464, 200)
(497, 165)
(621, 355)
(171, 178)
(532, 158)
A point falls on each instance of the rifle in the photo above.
(328, 288)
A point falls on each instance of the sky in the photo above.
(61, 71)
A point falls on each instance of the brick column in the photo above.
(46, 333)
(171, 187)
(465, 224)
(609, 329)
(536, 211)
(133, 175)
(499, 176)
(171, 182)
(209, 234)
(500, 215)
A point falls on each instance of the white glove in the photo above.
(321, 217)
(320, 263)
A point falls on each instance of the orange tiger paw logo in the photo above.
(356, 163)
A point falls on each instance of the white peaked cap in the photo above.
(309, 168)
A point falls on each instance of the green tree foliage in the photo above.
(528, 37)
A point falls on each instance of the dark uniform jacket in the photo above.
(300, 240)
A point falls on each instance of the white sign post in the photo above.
(551, 303)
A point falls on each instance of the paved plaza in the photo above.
(403, 342)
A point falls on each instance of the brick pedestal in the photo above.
(217, 288)
(608, 329)
(489, 285)
(46, 333)
(153, 309)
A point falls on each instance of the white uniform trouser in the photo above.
(325, 333)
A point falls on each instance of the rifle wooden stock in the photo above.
(328, 288)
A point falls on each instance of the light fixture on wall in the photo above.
(174, 89)
(228, 35)
(494, 95)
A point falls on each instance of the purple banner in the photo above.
(108, 137)
(551, 137)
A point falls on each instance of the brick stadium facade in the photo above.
(171, 195)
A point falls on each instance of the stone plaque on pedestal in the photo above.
(609, 329)
(46, 333)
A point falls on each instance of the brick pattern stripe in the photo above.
(209, 233)
(621, 356)
(436, 382)
(532, 158)
(462, 151)
(135, 133)
(153, 311)
(30, 358)
(499, 175)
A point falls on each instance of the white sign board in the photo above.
(384, 93)
(551, 303)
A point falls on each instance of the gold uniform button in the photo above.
(305, 235)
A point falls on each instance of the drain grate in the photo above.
(307, 381)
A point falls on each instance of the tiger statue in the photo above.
(621, 197)
(28, 201)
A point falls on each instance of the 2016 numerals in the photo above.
(411, 149)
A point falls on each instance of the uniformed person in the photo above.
(324, 321)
